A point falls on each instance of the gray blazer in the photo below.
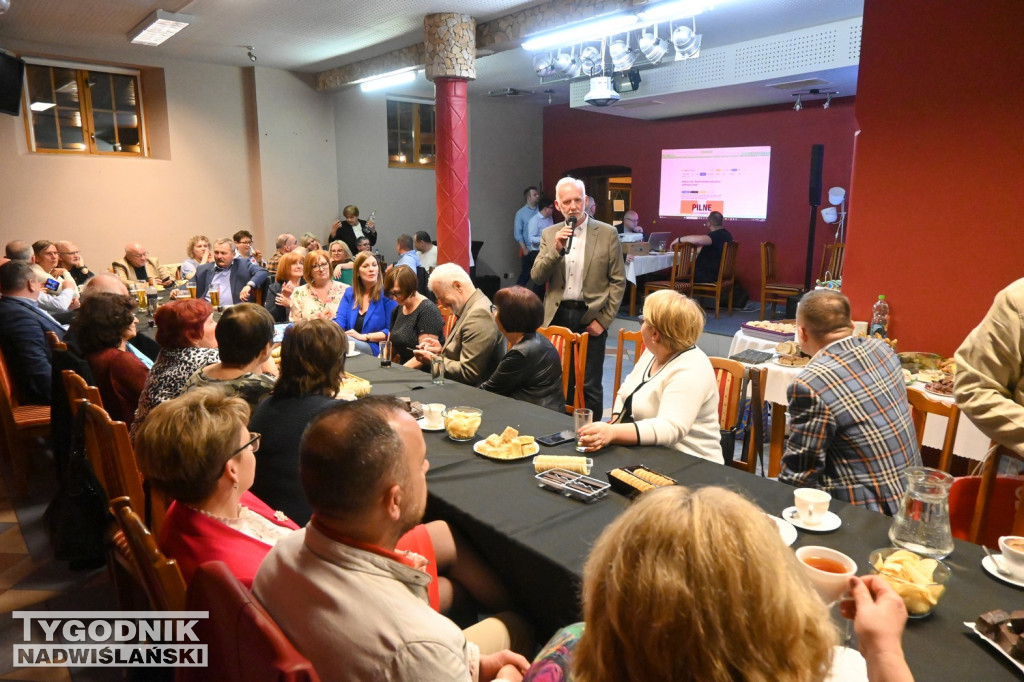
(475, 346)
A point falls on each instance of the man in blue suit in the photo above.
(23, 327)
(236, 279)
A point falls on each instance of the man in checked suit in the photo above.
(23, 327)
(851, 432)
(236, 279)
(586, 280)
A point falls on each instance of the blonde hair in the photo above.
(679, 319)
(358, 288)
(191, 244)
(344, 247)
(698, 585)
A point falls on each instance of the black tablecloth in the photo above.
(539, 540)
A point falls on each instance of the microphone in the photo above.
(571, 222)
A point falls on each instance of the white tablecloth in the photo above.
(642, 265)
(970, 442)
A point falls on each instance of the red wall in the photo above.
(574, 139)
(938, 184)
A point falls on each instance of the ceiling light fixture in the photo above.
(543, 65)
(388, 80)
(828, 101)
(653, 47)
(567, 65)
(591, 61)
(602, 88)
(623, 58)
(675, 10)
(587, 30)
(158, 27)
(250, 53)
(686, 40)
(798, 106)
(814, 92)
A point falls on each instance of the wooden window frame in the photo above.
(420, 138)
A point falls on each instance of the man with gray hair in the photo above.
(581, 262)
(19, 250)
(285, 244)
(23, 327)
(851, 433)
(233, 278)
(137, 265)
(475, 346)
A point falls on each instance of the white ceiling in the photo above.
(316, 35)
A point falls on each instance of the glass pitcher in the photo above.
(922, 523)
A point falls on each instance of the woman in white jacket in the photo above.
(671, 396)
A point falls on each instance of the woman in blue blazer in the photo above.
(365, 312)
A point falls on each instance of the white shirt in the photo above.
(574, 264)
(428, 259)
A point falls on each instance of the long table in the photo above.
(538, 540)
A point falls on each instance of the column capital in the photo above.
(449, 40)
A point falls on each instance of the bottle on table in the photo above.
(879, 317)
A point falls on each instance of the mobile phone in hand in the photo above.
(52, 285)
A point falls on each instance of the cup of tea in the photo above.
(811, 505)
(1012, 547)
(829, 570)
(432, 415)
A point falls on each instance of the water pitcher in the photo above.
(922, 523)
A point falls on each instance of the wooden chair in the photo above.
(773, 292)
(23, 426)
(832, 262)
(159, 576)
(449, 324)
(726, 278)
(638, 349)
(572, 349)
(986, 492)
(78, 390)
(55, 342)
(729, 375)
(245, 644)
(755, 378)
(921, 406)
(684, 255)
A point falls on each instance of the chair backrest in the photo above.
(244, 642)
(572, 349)
(7, 387)
(55, 342)
(78, 390)
(987, 492)
(684, 258)
(832, 262)
(638, 348)
(727, 268)
(921, 406)
(729, 375)
(768, 274)
(754, 444)
(160, 576)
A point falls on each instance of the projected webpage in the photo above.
(731, 180)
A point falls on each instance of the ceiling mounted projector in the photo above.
(602, 92)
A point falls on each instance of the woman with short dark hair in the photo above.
(103, 327)
(531, 369)
(414, 319)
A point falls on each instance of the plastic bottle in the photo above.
(879, 317)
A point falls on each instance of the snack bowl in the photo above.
(462, 422)
(916, 361)
(920, 596)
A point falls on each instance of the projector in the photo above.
(602, 92)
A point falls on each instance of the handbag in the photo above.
(78, 520)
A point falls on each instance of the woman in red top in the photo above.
(104, 325)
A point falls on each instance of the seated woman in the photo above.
(698, 585)
(245, 335)
(197, 252)
(364, 313)
(341, 262)
(309, 242)
(320, 296)
(103, 327)
(414, 318)
(287, 280)
(196, 450)
(185, 333)
(671, 396)
(531, 369)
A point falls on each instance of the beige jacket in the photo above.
(475, 346)
(604, 276)
(989, 384)
(122, 268)
(359, 616)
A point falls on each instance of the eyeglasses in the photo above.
(321, 266)
(244, 243)
(395, 293)
(494, 309)
(640, 318)
(254, 441)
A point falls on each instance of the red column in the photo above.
(451, 138)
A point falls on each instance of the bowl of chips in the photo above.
(462, 423)
(919, 581)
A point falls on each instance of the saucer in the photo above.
(423, 425)
(786, 529)
(828, 524)
(987, 563)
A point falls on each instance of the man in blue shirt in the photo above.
(407, 254)
(523, 216)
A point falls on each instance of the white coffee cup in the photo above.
(1012, 547)
(432, 415)
(811, 505)
(829, 584)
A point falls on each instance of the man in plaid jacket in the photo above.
(851, 433)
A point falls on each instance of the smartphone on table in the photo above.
(553, 439)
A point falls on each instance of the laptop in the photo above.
(659, 241)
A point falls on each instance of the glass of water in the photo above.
(581, 417)
(437, 369)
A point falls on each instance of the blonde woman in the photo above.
(365, 313)
(309, 242)
(341, 262)
(197, 252)
(671, 396)
(320, 296)
(698, 585)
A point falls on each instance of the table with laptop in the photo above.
(647, 257)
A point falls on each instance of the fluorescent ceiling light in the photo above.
(158, 27)
(42, 106)
(588, 30)
(679, 9)
(388, 80)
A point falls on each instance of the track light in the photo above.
(251, 53)
(622, 56)
(686, 41)
(567, 65)
(543, 65)
(591, 61)
(828, 101)
(587, 30)
(653, 47)
(798, 106)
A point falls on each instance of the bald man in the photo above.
(286, 243)
(137, 265)
(71, 259)
(630, 223)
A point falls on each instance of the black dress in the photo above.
(532, 371)
(406, 329)
(346, 234)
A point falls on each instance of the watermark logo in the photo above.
(129, 639)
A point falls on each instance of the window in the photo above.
(84, 110)
(410, 133)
